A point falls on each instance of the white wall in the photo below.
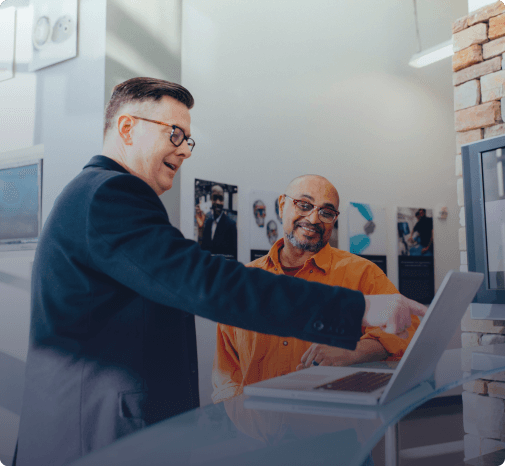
(476, 4)
(17, 95)
(291, 87)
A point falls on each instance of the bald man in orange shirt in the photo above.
(309, 210)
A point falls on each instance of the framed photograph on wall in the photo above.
(265, 223)
(416, 267)
(54, 32)
(216, 207)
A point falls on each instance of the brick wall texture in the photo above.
(479, 111)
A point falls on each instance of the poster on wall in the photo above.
(54, 32)
(367, 233)
(416, 273)
(7, 31)
(216, 217)
(265, 222)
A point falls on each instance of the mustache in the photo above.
(308, 224)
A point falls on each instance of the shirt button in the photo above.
(285, 343)
(275, 269)
(311, 271)
(318, 325)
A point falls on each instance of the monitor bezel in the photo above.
(22, 244)
(473, 183)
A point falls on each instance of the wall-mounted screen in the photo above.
(20, 204)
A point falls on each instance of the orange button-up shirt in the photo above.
(244, 357)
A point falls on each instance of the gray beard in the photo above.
(311, 247)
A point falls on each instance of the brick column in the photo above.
(479, 92)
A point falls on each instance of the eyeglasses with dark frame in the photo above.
(304, 208)
(177, 136)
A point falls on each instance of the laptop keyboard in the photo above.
(364, 382)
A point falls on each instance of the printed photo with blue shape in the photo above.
(367, 229)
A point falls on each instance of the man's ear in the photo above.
(125, 124)
(282, 200)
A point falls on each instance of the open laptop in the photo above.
(380, 386)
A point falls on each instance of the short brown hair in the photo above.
(142, 89)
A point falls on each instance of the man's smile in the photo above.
(309, 228)
(171, 166)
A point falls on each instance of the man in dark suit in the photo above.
(115, 287)
(219, 231)
(424, 227)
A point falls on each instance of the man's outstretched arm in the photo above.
(145, 253)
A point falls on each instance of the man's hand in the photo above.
(200, 217)
(391, 312)
(325, 355)
(366, 350)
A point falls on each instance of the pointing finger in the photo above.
(417, 308)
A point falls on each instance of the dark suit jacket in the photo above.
(225, 237)
(112, 336)
(424, 227)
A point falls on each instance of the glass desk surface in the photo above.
(267, 431)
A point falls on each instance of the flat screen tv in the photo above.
(484, 185)
(20, 204)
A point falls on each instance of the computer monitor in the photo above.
(483, 179)
(20, 204)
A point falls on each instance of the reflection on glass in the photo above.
(494, 207)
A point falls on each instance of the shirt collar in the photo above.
(273, 254)
(322, 259)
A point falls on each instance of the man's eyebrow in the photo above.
(185, 134)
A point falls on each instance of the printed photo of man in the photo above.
(216, 229)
